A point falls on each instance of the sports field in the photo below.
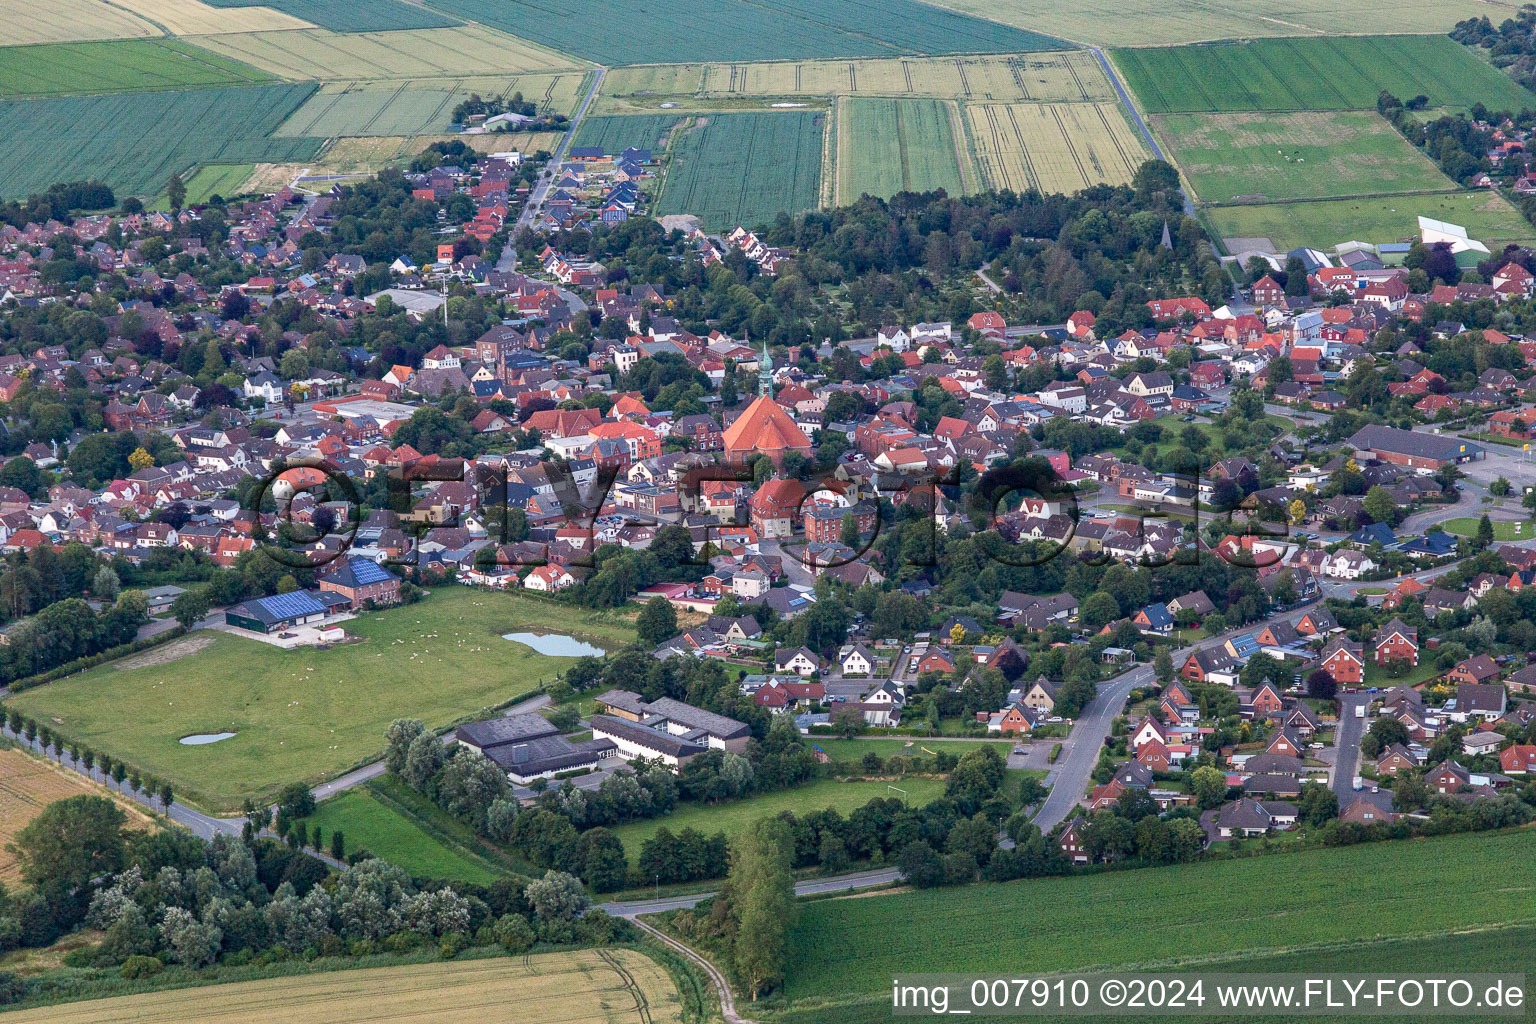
(735, 818)
(29, 783)
(1055, 147)
(64, 21)
(1303, 155)
(733, 30)
(134, 145)
(1166, 22)
(419, 107)
(1314, 74)
(425, 53)
(1488, 217)
(308, 714)
(586, 986)
(352, 16)
(1073, 75)
(886, 146)
(124, 65)
(730, 169)
(1130, 919)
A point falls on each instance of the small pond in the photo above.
(197, 739)
(554, 645)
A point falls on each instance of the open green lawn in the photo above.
(1424, 670)
(308, 714)
(734, 818)
(366, 823)
(842, 750)
(1502, 530)
(210, 180)
(844, 952)
(1296, 155)
(1488, 217)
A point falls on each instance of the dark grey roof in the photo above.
(1409, 442)
(495, 732)
(718, 726)
(652, 739)
(547, 754)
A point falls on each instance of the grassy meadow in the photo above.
(735, 818)
(1488, 217)
(124, 65)
(308, 714)
(1301, 155)
(366, 822)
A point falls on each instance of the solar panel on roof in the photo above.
(369, 572)
(286, 606)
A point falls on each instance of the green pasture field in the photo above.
(1502, 529)
(731, 169)
(886, 146)
(845, 951)
(735, 818)
(352, 16)
(618, 133)
(844, 750)
(226, 180)
(1340, 73)
(744, 30)
(420, 107)
(1169, 22)
(309, 714)
(366, 823)
(1493, 949)
(1487, 216)
(135, 145)
(1299, 155)
(421, 53)
(124, 65)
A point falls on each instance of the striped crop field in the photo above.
(732, 30)
(1053, 147)
(195, 18)
(27, 785)
(730, 169)
(1049, 77)
(352, 16)
(616, 134)
(422, 53)
(425, 107)
(1341, 73)
(886, 146)
(587, 986)
(121, 65)
(1172, 22)
(67, 21)
(134, 145)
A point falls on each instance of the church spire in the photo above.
(765, 373)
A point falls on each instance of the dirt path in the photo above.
(727, 1000)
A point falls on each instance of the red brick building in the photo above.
(1345, 661)
(823, 524)
(1397, 642)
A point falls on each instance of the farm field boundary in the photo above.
(352, 16)
(415, 107)
(27, 785)
(122, 65)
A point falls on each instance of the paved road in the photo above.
(541, 187)
(806, 887)
(1130, 108)
(1081, 752)
(1346, 741)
